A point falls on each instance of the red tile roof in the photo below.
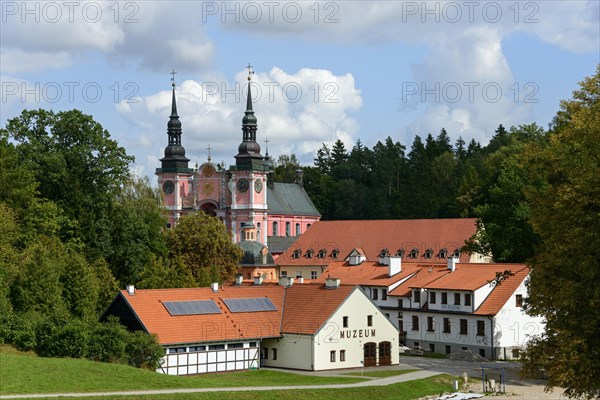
(147, 304)
(425, 275)
(502, 293)
(372, 236)
(470, 276)
(368, 273)
(301, 308)
(309, 306)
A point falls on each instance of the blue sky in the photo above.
(356, 70)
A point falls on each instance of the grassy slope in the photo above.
(400, 391)
(29, 374)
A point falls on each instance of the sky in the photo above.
(322, 70)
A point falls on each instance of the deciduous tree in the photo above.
(565, 213)
(202, 243)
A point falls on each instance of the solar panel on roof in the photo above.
(195, 307)
(250, 305)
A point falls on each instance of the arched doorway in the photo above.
(370, 355)
(209, 208)
(385, 353)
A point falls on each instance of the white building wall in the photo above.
(313, 352)
(202, 358)
(293, 351)
(481, 294)
(333, 336)
(513, 327)
(450, 304)
(440, 339)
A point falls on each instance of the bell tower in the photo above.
(174, 174)
(247, 180)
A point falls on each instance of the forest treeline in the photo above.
(435, 178)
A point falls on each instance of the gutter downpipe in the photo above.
(492, 337)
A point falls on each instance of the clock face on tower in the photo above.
(243, 185)
(168, 187)
(258, 185)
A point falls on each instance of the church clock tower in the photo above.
(247, 180)
(174, 174)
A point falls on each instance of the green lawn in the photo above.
(400, 391)
(24, 373)
(383, 373)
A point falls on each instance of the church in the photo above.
(243, 196)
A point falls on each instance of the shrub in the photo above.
(144, 351)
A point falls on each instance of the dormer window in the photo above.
(443, 253)
(428, 253)
(335, 253)
(309, 253)
(322, 253)
(456, 253)
(384, 253)
(297, 253)
(400, 253)
(414, 253)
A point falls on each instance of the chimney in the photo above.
(452, 261)
(215, 287)
(239, 278)
(130, 290)
(300, 177)
(332, 283)
(394, 266)
(301, 280)
(286, 281)
(258, 280)
(384, 260)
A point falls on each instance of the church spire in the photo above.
(249, 150)
(174, 158)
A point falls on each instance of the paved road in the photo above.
(375, 382)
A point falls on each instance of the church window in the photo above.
(275, 228)
(287, 229)
(322, 253)
(414, 253)
(297, 229)
(428, 253)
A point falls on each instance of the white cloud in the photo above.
(211, 114)
(18, 61)
(56, 34)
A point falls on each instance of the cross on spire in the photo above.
(172, 77)
(209, 148)
(250, 72)
(267, 145)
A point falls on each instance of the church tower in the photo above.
(174, 174)
(247, 180)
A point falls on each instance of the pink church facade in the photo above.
(243, 194)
